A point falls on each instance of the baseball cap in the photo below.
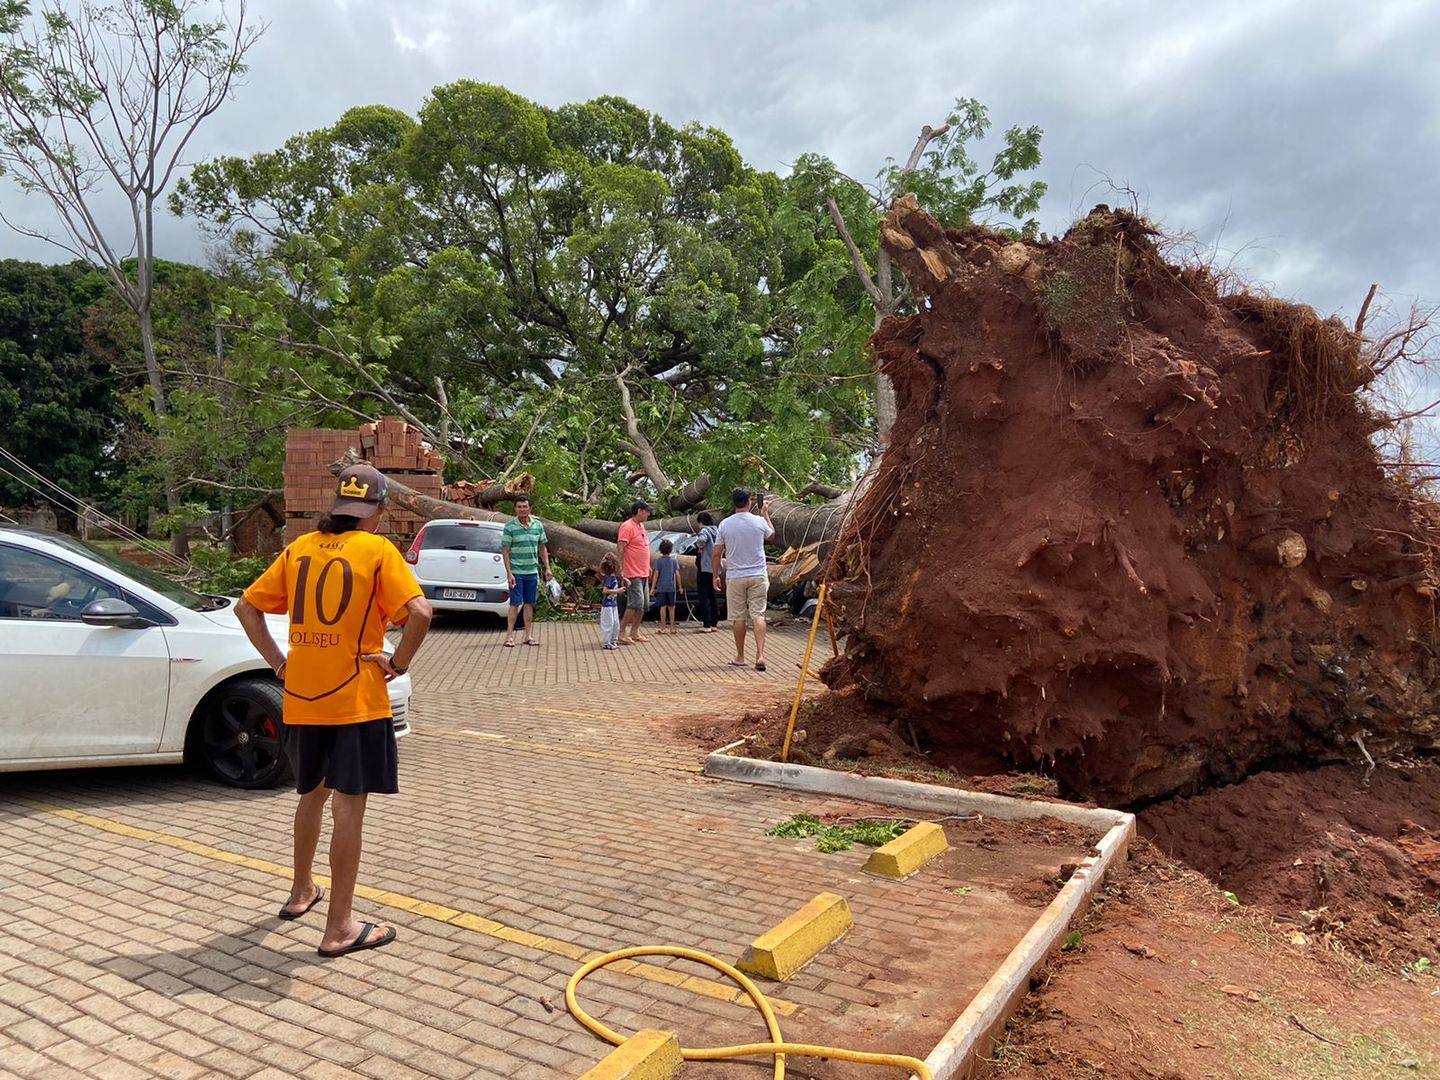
(361, 488)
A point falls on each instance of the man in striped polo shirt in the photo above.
(524, 546)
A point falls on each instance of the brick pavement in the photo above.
(544, 813)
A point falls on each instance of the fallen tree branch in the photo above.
(815, 487)
(639, 445)
(1294, 1019)
(857, 260)
(490, 495)
(191, 481)
(692, 494)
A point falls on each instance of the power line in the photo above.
(78, 505)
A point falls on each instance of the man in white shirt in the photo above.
(740, 557)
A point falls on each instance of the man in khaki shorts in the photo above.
(740, 557)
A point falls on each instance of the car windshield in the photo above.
(151, 579)
(460, 538)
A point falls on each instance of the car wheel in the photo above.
(239, 734)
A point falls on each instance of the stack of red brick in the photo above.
(390, 444)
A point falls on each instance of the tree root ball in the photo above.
(1117, 527)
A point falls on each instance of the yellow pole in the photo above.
(804, 671)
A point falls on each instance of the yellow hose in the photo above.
(777, 1047)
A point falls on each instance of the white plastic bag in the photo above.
(555, 591)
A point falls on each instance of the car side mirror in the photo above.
(114, 612)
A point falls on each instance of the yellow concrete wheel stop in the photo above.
(908, 852)
(779, 953)
(646, 1055)
(776, 1047)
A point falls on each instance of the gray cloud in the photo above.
(1298, 139)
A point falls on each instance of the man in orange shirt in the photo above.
(634, 545)
(341, 587)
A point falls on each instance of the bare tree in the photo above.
(98, 98)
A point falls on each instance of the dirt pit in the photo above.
(1329, 856)
(840, 730)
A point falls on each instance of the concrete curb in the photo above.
(983, 1019)
(907, 794)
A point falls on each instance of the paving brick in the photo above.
(230, 1063)
(36, 1034)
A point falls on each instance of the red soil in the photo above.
(1323, 851)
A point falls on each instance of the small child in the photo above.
(664, 582)
(610, 602)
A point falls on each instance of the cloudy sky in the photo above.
(1299, 139)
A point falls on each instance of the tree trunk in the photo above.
(566, 544)
(885, 405)
(800, 524)
(571, 545)
(796, 524)
(443, 400)
(610, 530)
(180, 537)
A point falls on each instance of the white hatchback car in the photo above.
(459, 565)
(104, 662)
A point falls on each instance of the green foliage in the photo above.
(183, 515)
(59, 410)
(224, 437)
(220, 573)
(518, 258)
(1232, 898)
(1073, 940)
(832, 838)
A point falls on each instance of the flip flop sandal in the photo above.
(361, 943)
(534, 643)
(759, 667)
(287, 914)
(509, 644)
(738, 663)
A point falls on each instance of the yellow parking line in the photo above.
(573, 751)
(423, 908)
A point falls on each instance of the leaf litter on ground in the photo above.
(832, 837)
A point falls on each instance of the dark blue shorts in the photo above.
(527, 588)
(664, 599)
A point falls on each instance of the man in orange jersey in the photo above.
(341, 587)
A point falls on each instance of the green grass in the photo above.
(1261, 1042)
(832, 838)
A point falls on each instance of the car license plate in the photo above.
(457, 594)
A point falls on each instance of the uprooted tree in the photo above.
(1129, 528)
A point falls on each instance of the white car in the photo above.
(459, 565)
(103, 662)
